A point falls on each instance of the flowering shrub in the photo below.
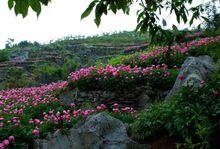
(173, 56)
(122, 77)
(30, 113)
(193, 115)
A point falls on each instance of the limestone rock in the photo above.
(100, 131)
(194, 70)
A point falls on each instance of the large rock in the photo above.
(100, 131)
(193, 71)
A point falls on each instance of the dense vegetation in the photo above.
(114, 63)
(31, 64)
(191, 116)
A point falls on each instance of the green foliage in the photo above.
(210, 49)
(172, 58)
(4, 55)
(147, 18)
(125, 81)
(21, 7)
(107, 39)
(124, 117)
(68, 66)
(47, 72)
(23, 132)
(192, 114)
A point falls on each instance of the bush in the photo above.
(174, 56)
(193, 114)
(4, 55)
(122, 78)
(212, 50)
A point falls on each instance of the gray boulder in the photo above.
(100, 131)
(194, 70)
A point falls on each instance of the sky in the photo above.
(61, 19)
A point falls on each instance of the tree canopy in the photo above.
(147, 16)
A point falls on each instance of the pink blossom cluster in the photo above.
(14, 101)
(82, 72)
(6, 142)
(116, 71)
(183, 47)
(51, 116)
(116, 109)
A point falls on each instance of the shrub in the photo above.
(173, 56)
(30, 113)
(192, 114)
(4, 55)
(122, 78)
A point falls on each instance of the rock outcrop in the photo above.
(100, 131)
(138, 98)
(193, 71)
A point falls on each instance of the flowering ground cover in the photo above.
(172, 56)
(121, 77)
(30, 113)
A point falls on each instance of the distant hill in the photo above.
(28, 64)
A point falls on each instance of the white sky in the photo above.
(62, 18)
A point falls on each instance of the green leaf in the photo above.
(88, 10)
(192, 19)
(10, 4)
(36, 6)
(45, 2)
(21, 7)
(97, 21)
(113, 7)
(206, 19)
(175, 29)
(100, 9)
(164, 22)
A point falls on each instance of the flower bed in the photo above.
(30, 113)
(122, 77)
(173, 56)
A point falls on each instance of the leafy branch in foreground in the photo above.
(148, 17)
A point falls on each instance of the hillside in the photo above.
(28, 64)
(164, 97)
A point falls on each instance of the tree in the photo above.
(147, 16)
(9, 43)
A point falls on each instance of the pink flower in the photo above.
(115, 105)
(99, 108)
(1, 145)
(5, 142)
(202, 82)
(36, 132)
(37, 121)
(126, 109)
(31, 121)
(72, 105)
(116, 110)
(11, 138)
(181, 77)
